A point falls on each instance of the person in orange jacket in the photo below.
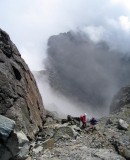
(83, 120)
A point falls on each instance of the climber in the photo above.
(83, 120)
(93, 122)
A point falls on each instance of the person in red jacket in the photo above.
(83, 120)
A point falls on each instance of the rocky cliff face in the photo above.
(87, 72)
(20, 99)
(121, 99)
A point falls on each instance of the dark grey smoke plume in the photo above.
(85, 71)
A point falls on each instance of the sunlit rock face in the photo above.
(20, 99)
(85, 71)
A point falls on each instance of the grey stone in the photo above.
(18, 144)
(37, 149)
(122, 124)
(6, 127)
(75, 128)
(62, 131)
(109, 122)
(126, 154)
(105, 154)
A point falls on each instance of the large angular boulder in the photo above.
(20, 99)
(122, 124)
(65, 130)
(18, 145)
(6, 127)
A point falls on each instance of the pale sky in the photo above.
(30, 23)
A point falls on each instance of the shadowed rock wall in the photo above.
(20, 99)
(86, 72)
(121, 99)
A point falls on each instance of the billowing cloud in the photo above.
(30, 23)
(86, 72)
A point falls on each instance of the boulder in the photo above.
(18, 144)
(20, 99)
(49, 143)
(106, 154)
(63, 131)
(76, 128)
(37, 149)
(6, 127)
(126, 154)
(109, 122)
(122, 124)
(16, 147)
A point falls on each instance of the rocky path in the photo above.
(69, 142)
(57, 141)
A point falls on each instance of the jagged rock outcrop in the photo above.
(13, 145)
(121, 99)
(84, 71)
(6, 127)
(20, 99)
(116, 128)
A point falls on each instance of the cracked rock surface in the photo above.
(20, 99)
